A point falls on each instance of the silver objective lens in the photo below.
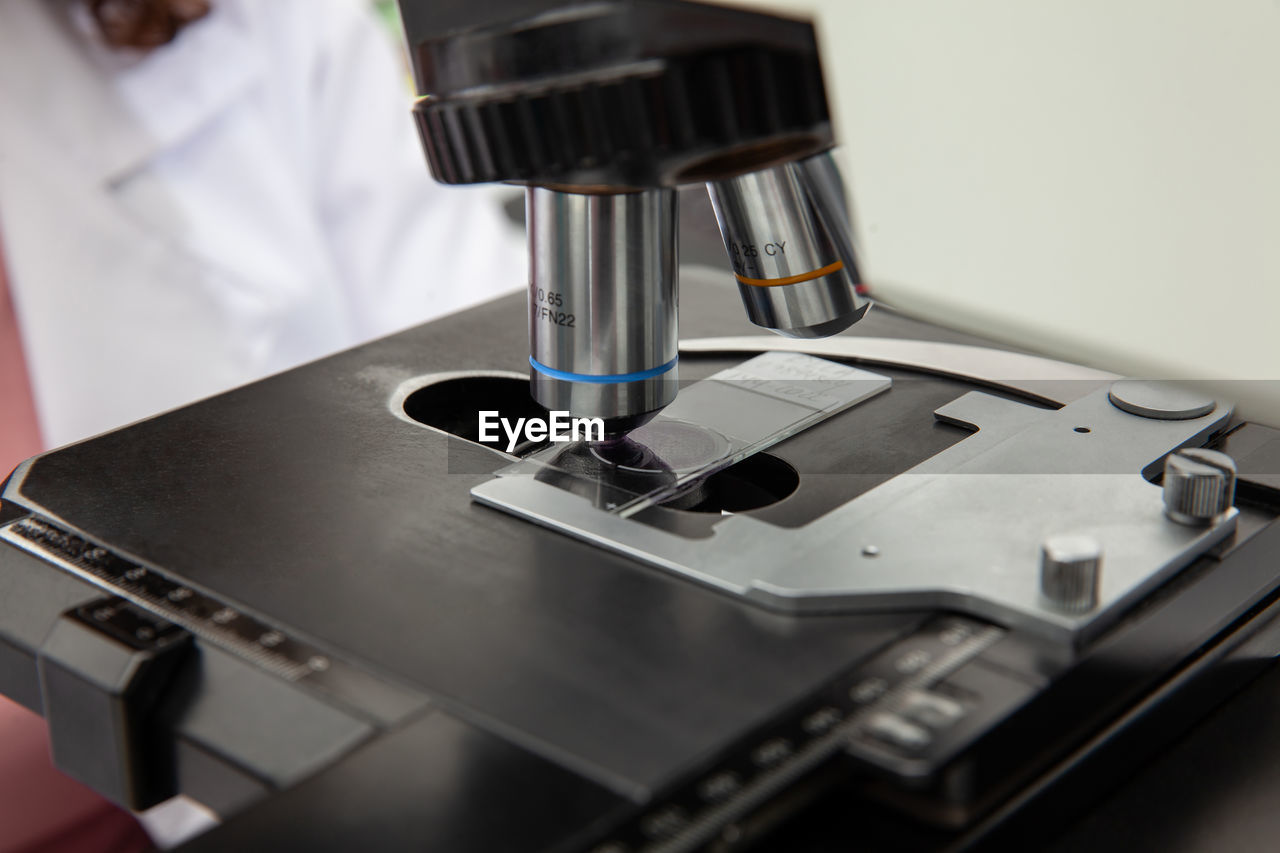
(787, 235)
(602, 303)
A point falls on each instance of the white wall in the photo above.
(1096, 179)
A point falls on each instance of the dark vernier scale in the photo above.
(897, 589)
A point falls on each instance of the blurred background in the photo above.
(1096, 180)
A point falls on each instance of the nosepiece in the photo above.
(602, 304)
(788, 243)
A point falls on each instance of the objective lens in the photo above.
(602, 303)
(791, 277)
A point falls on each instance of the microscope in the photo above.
(602, 109)
(899, 588)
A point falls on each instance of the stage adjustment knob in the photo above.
(1070, 567)
(1199, 485)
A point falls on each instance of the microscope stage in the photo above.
(365, 631)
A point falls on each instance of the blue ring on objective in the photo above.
(606, 379)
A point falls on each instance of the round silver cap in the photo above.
(1070, 569)
(1199, 485)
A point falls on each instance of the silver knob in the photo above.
(1070, 569)
(1199, 485)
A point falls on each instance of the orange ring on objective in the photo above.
(792, 279)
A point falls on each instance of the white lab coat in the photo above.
(247, 198)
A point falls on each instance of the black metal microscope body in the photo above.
(937, 604)
(601, 109)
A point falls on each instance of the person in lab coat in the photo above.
(244, 199)
(178, 217)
